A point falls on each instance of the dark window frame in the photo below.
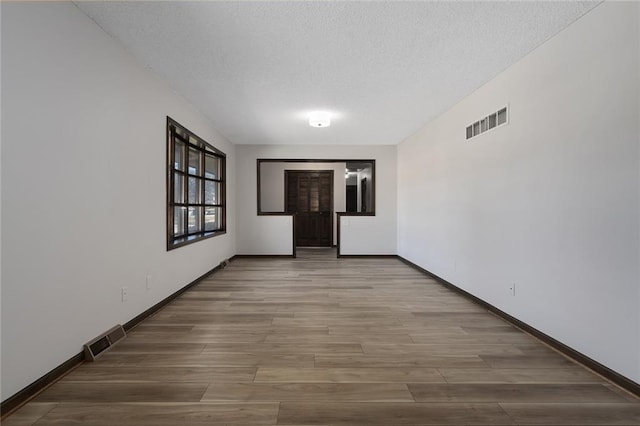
(203, 150)
(259, 161)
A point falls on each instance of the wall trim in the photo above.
(364, 256)
(161, 304)
(262, 256)
(600, 369)
(309, 160)
(23, 396)
(289, 256)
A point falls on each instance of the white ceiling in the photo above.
(383, 69)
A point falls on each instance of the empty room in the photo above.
(319, 213)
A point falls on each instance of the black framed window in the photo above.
(359, 181)
(196, 187)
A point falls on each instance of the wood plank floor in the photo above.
(323, 341)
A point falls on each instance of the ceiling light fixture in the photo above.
(319, 119)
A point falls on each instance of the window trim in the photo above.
(176, 131)
(259, 161)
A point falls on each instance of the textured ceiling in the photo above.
(384, 69)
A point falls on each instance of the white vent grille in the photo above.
(491, 121)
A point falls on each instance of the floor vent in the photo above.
(103, 342)
(491, 121)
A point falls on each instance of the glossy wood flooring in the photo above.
(325, 341)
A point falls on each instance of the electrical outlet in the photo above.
(124, 293)
(148, 282)
(512, 289)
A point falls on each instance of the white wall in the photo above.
(83, 188)
(549, 201)
(365, 235)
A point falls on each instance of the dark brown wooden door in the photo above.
(309, 195)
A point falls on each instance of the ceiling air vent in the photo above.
(100, 344)
(491, 121)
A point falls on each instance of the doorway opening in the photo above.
(353, 189)
(309, 196)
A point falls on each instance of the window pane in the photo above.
(469, 132)
(212, 218)
(194, 190)
(178, 188)
(178, 155)
(211, 167)
(195, 219)
(178, 221)
(211, 191)
(194, 162)
(476, 128)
